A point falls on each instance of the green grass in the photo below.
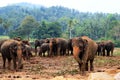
(4, 37)
(116, 52)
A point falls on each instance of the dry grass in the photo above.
(108, 62)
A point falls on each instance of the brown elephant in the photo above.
(52, 47)
(108, 47)
(84, 50)
(101, 48)
(38, 43)
(12, 50)
(44, 48)
(26, 42)
(69, 47)
(1, 42)
(58, 46)
(27, 53)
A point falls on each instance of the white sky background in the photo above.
(105, 6)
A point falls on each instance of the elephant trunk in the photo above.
(19, 54)
(76, 53)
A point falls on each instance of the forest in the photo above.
(38, 22)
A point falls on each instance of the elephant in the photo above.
(12, 50)
(1, 42)
(17, 38)
(101, 48)
(58, 46)
(25, 42)
(38, 43)
(109, 48)
(69, 47)
(43, 48)
(84, 50)
(27, 53)
(52, 47)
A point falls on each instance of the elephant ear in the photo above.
(13, 47)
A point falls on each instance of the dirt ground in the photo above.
(58, 68)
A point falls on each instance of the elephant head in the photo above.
(79, 48)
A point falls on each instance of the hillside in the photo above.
(95, 25)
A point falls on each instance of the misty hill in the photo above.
(39, 12)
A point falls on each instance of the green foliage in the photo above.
(117, 43)
(0, 20)
(41, 22)
(47, 30)
(27, 26)
(4, 37)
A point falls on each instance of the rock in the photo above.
(117, 76)
(111, 71)
(58, 78)
(62, 78)
(100, 76)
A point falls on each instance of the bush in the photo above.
(117, 43)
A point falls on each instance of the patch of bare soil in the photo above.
(58, 68)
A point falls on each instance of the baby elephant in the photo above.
(27, 53)
(44, 48)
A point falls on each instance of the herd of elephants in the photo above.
(84, 50)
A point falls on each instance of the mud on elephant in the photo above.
(12, 50)
(84, 50)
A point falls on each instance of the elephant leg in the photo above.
(14, 63)
(103, 52)
(67, 52)
(47, 53)
(51, 52)
(58, 52)
(43, 54)
(86, 66)
(112, 52)
(71, 52)
(4, 61)
(9, 63)
(79, 67)
(35, 50)
(83, 68)
(64, 52)
(91, 65)
(108, 53)
(27, 55)
(40, 53)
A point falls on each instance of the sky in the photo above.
(105, 6)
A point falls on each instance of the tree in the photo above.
(115, 32)
(71, 23)
(6, 24)
(54, 29)
(28, 25)
(1, 20)
(47, 30)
